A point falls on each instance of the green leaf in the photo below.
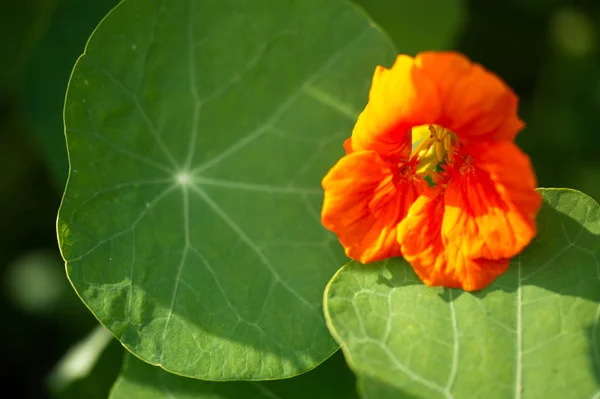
(89, 368)
(139, 380)
(22, 23)
(533, 333)
(198, 133)
(48, 74)
(416, 25)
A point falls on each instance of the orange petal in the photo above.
(491, 204)
(419, 236)
(477, 104)
(400, 98)
(473, 274)
(364, 202)
(348, 145)
(435, 263)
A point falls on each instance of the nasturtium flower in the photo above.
(431, 173)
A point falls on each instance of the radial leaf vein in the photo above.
(186, 248)
(244, 237)
(141, 110)
(264, 128)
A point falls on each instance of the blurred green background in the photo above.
(547, 50)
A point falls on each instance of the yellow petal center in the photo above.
(432, 145)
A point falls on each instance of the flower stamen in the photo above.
(434, 145)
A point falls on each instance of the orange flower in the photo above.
(431, 173)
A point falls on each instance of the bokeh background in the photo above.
(547, 50)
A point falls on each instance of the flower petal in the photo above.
(400, 98)
(364, 202)
(477, 104)
(348, 145)
(419, 236)
(442, 88)
(491, 203)
(437, 264)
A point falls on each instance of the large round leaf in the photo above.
(198, 133)
(533, 333)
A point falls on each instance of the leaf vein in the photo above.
(264, 128)
(140, 108)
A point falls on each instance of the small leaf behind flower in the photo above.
(139, 380)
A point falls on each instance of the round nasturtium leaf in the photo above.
(533, 333)
(198, 132)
